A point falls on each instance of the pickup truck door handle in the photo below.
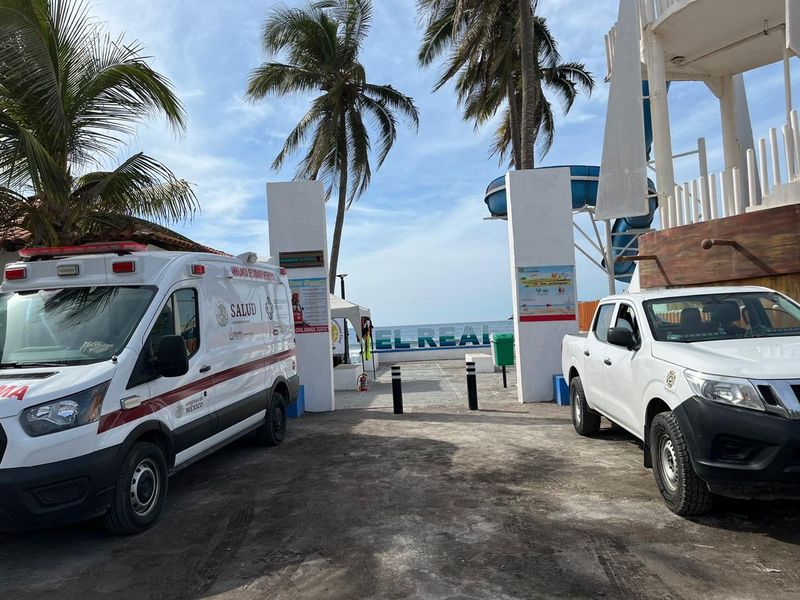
(608, 362)
(586, 353)
(205, 368)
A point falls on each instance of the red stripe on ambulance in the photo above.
(13, 391)
(121, 417)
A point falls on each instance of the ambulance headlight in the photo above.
(78, 409)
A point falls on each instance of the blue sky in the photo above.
(416, 246)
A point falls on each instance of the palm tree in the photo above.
(485, 62)
(531, 86)
(69, 94)
(481, 102)
(321, 44)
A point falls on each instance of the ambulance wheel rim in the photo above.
(277, 419)
(145, 487)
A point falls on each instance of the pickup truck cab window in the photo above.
(626, 318)
(710, 317)
(603, 321)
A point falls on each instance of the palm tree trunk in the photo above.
(513, 114)
(342, 205)
(529, 96)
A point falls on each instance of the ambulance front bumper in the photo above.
(57, 493)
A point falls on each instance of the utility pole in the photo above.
(344, 322)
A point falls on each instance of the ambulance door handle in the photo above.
(608, 362)
(587, 353)
(205, 368)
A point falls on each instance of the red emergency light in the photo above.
(16, 273)
(123, 266)
(95, 248)
(198, 270)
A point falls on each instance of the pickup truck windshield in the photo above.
(722, 317)
(70, 325)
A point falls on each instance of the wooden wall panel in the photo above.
(788, 284)
(585, 314)
(767, 245)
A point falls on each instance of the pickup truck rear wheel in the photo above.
(584, 419)
(683, 491)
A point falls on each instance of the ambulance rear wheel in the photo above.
(273, 430)
(139, 490)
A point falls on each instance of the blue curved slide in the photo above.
(584, 182)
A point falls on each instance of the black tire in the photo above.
(584, 419)
(272, 432)
(139, 490)
(683, 491)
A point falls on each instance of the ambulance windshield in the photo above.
(68, 326)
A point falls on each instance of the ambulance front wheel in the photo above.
(139, 490)
(273, 430)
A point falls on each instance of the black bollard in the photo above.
(472, 387)
(397, 390)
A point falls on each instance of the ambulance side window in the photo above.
(283, 310)
(178, 317)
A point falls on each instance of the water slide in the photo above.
(584, 193)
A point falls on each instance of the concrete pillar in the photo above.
(659, 110)
(727, 109)
(541, 245)
(296, 214)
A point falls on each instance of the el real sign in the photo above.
(438, 336)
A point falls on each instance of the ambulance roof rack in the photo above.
(119, 248)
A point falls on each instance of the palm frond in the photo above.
(299, 134)
(139, 186)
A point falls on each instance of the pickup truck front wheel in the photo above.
(584, 419)
(683, 491)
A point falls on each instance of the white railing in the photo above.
(723, 195)
(649, 10)
(653, 9)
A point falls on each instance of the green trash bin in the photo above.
(503, 349)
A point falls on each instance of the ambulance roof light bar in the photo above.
(248, 257)
(119, 248)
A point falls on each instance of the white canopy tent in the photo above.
(344, 309)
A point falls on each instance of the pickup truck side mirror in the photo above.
(173, 360)
(621, 336)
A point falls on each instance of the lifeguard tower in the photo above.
(744, 222)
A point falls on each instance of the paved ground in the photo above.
(433, 383)
(438, 503)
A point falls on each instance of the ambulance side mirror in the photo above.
(173, 359)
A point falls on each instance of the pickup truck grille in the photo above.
(781, 396)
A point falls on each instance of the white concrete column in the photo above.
(296, 214)
(659, 111)
(727, 109)
(540, 236)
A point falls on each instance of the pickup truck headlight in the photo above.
(725, 390)
(71, 411)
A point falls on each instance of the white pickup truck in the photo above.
(707, 378)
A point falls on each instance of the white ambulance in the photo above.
(120, 365)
